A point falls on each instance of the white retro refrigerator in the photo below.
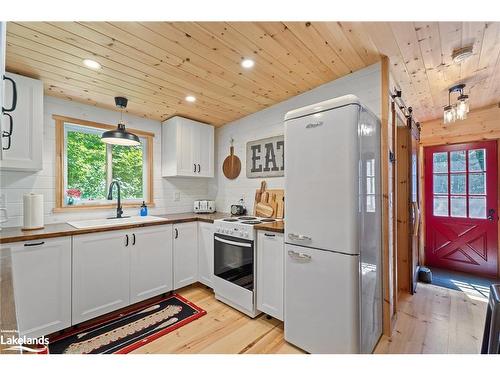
(333, 294)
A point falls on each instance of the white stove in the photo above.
(240, 226)
(234, 262)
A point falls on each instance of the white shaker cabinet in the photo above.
(150, 262)
(41, 271)
(101, 273)
(24, 153)
(185, 249)
(206, 253)
(270, 275)
(187, 148)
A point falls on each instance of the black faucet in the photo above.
(119, 210)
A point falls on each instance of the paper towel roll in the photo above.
(33, 211)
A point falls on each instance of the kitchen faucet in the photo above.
(119, 210)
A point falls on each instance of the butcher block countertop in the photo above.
(15, 234)
(277, 226)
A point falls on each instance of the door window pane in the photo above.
(457, 182)
(458, 207)
(477, 183)
(477, 207)
(440, 206)
(477, 160)
(440, 184)
(440, 162)
(457, 161)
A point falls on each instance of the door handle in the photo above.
(299, 237)
(126, 240)
(14, 95)
(176, 233)
(491, 214)
(269, 235)
(194, 168)
(299, 256)
(199, 168)
(133, 239)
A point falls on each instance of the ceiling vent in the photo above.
(460, 54)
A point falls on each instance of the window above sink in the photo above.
(85, 166)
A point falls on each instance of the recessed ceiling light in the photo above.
(91, 64)
(247, 63)
(190, 98)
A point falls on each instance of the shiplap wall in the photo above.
(364, 83)
(15, 184)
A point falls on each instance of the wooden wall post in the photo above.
(387, 261)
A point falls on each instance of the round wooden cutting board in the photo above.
(232, 165)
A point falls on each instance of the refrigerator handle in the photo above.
(299, 237)
(299, 256)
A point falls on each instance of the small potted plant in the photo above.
(73, 194)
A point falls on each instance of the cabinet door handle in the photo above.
(199, 168)
(133, 239)
(194, 168)
(176, 233)
(14, 95)
(269, 235)
(126, 241)
(34, 243)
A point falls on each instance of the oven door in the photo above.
(234, 260)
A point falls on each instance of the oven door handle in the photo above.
(244, 244)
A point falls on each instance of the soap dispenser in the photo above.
(144, 209)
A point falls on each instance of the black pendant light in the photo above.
(120, 136)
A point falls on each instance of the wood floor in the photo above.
(435, 320)
(223, 330)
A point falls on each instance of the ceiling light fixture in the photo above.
(247, 63)
(458, 111)
(120, 136)
(460, 54)
(190, 99)
(92, 64)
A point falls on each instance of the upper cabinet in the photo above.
(187, 148)
(22, 128)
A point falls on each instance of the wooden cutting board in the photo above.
(274, 198)
(232, 165)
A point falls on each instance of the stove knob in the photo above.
(246, 234)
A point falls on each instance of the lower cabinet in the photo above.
(114, 269)
(270, 275)
(185, 254)
(150, 262)
(101, 274)
(41, 272)
(206, 253)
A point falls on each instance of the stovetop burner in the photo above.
(231, 220)
(252, 222)
(247, 218)
(267, 220)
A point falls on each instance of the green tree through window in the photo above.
(92, 165)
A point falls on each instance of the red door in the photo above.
(461, 188)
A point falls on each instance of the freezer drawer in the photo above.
(321, 300)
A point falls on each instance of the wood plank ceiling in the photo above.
(156, 64)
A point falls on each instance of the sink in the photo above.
(101, 223)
